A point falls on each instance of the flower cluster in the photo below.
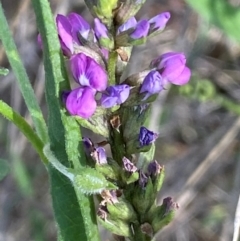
(87, 50)
(94, 55)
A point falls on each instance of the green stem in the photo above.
(117, 146)
(22, 78)
(112, 62)
(24, 127)
(139, 235)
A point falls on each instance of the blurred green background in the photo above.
(198, 123)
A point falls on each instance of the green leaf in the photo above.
(90, 181)
(24, 127)
(118, 227)
(74, 212)
(220, 13)
(66, 209)
(21, 176)
(4, 168)
(22, 78)
(4, 71)
(146, 157)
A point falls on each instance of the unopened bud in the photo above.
(141, 142)
(157, 174)
(122, 210)
(104, 8)
(117, 227)
(164, 214)
(143, 198)
(128, 10)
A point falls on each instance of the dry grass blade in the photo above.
(188, 194)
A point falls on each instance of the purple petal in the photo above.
(87, 72)
(81, 102)
(131, 23)
(64, 95)
(152, 84)
(88, 143)
(64, 31)
(100, 29)
(115, 95)
(172, 67)
(78, 64)
(79, 25)
(123, 92)
(128, 165)
(183, 78)
(101, 157)
(141, 30)
(105, 53)
(154, 168)
(159, 22)
(143, 179)
(108, 101)
(146, 137)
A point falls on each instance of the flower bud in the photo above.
(130, 174)
(157, 174)
(117, 227)
(146, 137)
(111, 170)
(132, 120)
(158, 23)
(104, 9)
(102, 34)
(128, 9)
(135, 33)
(163, 214)
(122, 210)
(143, 198)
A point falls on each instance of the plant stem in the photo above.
(112, 61)
(24, 127)
(22, 78)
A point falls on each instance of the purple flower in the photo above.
(115, 95)
(141, 29)
(143, 179)
(100, 29)
(146, 137)
(152, 84)
(87, 72)
(65, 34)
(81, 102)
(68, 29)
(154, 168)
(79, 25)
(159, 21)
(172, 68)
(131, 23)
(99, 155)
(128, 166)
